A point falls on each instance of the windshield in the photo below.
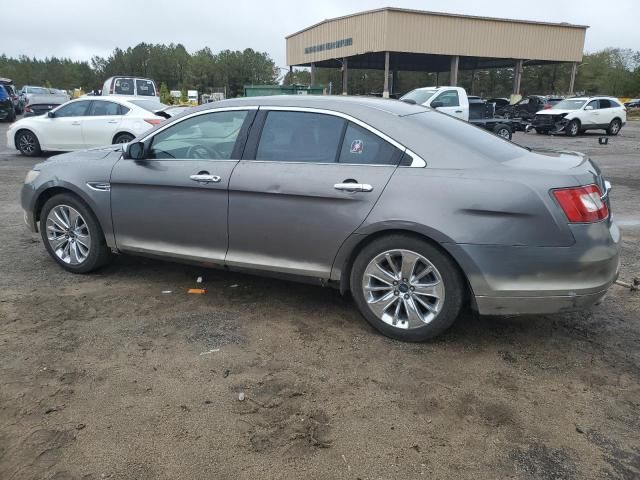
(149, 105)
(569, 105)
(419, 96)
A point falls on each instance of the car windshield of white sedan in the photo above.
(419, 96)
(210, 136)
(569, 105)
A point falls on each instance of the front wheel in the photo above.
(406, 288)
(72, 234)
(573, 128)
(28, 143)
(614, 127)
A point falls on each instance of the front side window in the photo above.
(104, 108)
(75, 109)
(300, 137)
(449, 98)
(211, 136)
(360, 146)
(593, 104)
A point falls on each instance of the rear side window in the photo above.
(104, 108)
(123, 86)
(360, 146)
(300, 137)
(145, 88)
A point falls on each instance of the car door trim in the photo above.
(416, 160)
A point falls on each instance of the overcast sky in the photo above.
(67, 28)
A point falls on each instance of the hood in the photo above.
(93, 154)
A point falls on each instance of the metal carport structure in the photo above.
(394, 39)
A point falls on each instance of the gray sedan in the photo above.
(413, 212)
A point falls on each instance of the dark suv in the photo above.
(7, 110)
(528, 106)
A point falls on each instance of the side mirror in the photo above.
(588, 107)
(51, 114)
(135, 151)
(437, 104)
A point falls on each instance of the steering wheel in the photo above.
(201, 152)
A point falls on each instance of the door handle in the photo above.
(205, 178)
(75, 123)
(458, 111)
(353, 187)
(113, 121)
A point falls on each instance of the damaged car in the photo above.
(577, 115)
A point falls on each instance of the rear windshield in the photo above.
(145, 88)
(38, 90)
(418, 96)
(149, 105)
(123, 86)
(569, 105)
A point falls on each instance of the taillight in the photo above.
(582, 204)
(546, 106)
(153, 121)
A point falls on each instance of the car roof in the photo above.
(344, 104)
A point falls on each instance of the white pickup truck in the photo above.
(455, 102)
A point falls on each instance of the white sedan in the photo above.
(84, 123)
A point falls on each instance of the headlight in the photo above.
(31, 176)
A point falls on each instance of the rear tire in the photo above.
(614, 127)
(426, 297)
(78, 246)
(123, 138)
(28, 144)
(572, 129)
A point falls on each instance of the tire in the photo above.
(503, 131)
(572, 129)
(91, 252)
(123, 138)
(614, 127)
(444, 278)
(540, 131)
(12, 116)
(28, 144)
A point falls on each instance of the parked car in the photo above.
(455, 102)
(130, 86)
(579, 114)
(633, 103)
(499, 102)
(527, 107)
(7, 111)
(41, 104)
(83, 123)
(29, 90)
(415, 213)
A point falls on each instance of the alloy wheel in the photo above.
(68, 234)
(27, 143)
(403, 289)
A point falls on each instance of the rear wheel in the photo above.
(573, 128)
(123, 138)
(406, 288)
(540, 131)
(614, 127)
(72, 234)
(502, 131)
(28, 143)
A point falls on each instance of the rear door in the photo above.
(101, 123)
(606, 111)
(307, 181)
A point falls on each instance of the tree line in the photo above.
(611, 71)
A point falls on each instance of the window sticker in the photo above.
(357, 146)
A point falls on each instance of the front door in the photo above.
(174, 202)
(64, 130)
(449, 102)
(310, 181)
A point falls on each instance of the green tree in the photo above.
(165, 96)
(184, 98)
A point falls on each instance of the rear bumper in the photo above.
(510, 280)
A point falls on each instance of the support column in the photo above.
(517, 76)
(345, 76)
(313, 74)
(394, 80)
(572, 80)
(453, 78)
(385, 90)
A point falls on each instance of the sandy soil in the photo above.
(104, 376)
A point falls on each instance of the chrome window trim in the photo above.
(417, 161)
(196, 114)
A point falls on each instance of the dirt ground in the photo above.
(105, 376)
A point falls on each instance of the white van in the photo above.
(130, 86)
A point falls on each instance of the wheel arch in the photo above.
(25, 129)
(344, 265)
(122, 132)
(51, 191)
